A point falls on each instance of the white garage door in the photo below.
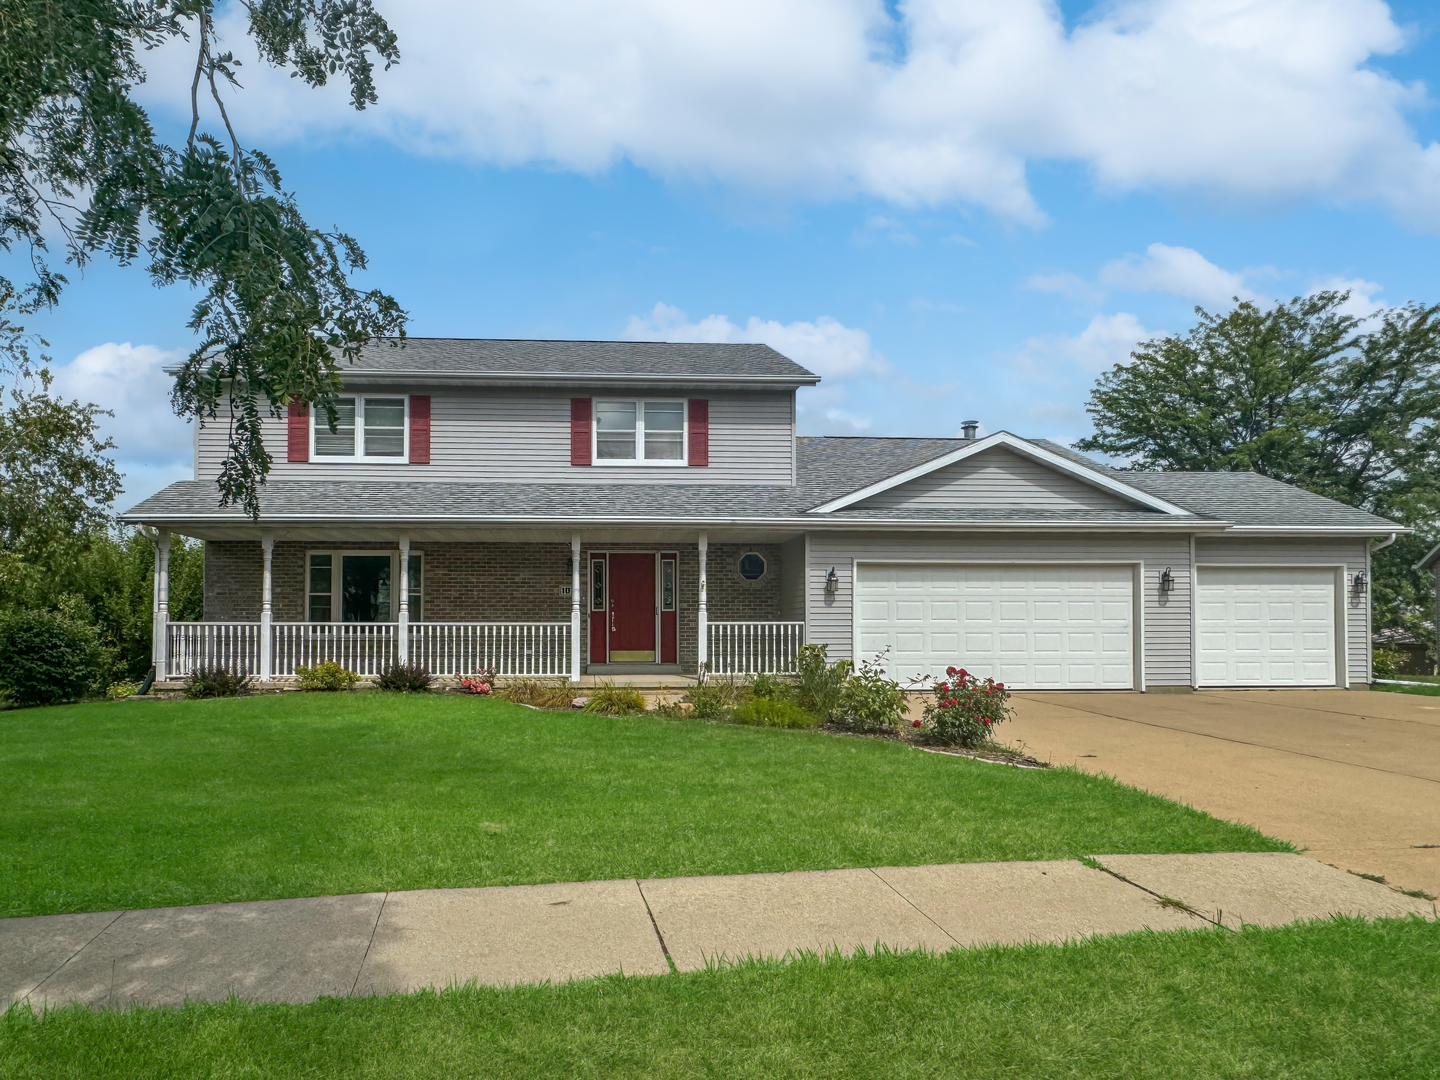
(1266, 626)
(1030, 627)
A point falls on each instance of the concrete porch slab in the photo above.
(774, 914)
(505, 935)
(1012, 903)
(266, 950)
(1263, 888)
(34, 948)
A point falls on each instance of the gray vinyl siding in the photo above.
(1288, 552)
(997, 478)
(1166, 644)
(523, 437)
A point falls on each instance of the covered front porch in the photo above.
(635, 606)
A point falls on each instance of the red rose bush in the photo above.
(964, 710)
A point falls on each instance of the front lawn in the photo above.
(143, 803)
(1423, 691)
(1334, 1000)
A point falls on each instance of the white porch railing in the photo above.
(449, 648)
(541, 649)
(364, 648)
(235, 646)
(753, 648)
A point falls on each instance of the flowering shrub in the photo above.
(964, 710)
(477, 685)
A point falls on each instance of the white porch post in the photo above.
(161, 651)
(703, 616)
(402, 643)
(267, 613)
(575, 607)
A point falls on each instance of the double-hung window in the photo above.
(362, 586)
(639, 432)
(366, 429)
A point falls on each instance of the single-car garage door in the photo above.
(1266, 626)
(1030, 627)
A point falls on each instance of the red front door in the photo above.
(632, 608)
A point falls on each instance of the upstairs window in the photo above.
(366, 429)
(639, 432)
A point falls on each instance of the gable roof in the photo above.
(497, 361)
(1084, 472)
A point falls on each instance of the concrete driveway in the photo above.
(1352, 777)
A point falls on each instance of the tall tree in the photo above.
(80, 158)
(1302, 392)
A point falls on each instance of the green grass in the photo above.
(1424, 691)
(140, 804)
(1333, 1000)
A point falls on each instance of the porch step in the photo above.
(607, 670)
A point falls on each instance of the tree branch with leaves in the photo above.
(79, 158)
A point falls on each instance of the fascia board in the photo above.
(431, 377)
(1020, 446)
(1321, 530)
(1427, 561)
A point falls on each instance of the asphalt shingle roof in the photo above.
(514, 358)
(828, 468)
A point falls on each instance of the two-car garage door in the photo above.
(1035, 626)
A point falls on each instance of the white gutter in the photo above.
(1386, 542)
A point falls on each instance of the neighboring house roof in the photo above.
(829, 468)
(496, 361)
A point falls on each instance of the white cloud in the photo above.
(152, 445)
(832, 350)
(1249, 100)
(1362, 302)
(1069, 285)
(1107, 341)
(1180, 271)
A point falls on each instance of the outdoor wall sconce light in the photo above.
(832, 582)
(1167, 581)
(1358, 581)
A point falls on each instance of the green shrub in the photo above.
(542, 693)
(714, 698)
(48, 657)
(870, 701)
(771, 688)
(215, 681)
(119, 691)
(1386, 663)
(819, 683)
(326, 676)
(964, 710)
(615, 700)
(774, 712)
(408, 678)
(670, 710)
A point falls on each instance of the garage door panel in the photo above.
(1028, 626)
(1266, 626)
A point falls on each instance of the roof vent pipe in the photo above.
(968, 428)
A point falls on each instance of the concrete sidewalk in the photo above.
(373, 943)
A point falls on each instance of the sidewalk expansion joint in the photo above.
(76, 953)
(656, 927)
(361, 969)
(1162, 900)
(912, 903)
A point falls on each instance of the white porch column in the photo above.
(162, 604)
(703, 615)
(575, 607)
(402, 643)
(267, 612)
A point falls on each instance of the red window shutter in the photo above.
(699, 431)
(419, 429)
(298, 441)
(580, 431)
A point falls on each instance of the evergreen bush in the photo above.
(48, 657)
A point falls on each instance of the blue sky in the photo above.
(756, 194)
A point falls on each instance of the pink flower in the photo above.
(945, 704)
(964, 674)
(949, 671)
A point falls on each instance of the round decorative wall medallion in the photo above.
(752, 566)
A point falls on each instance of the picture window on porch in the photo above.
(366, 428)
(356, 586)
(640, 432)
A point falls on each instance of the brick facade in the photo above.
(494, 582)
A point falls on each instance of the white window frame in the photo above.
(337, 577)
(638, 460)
(359, 455)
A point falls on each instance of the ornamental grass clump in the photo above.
(408, 678)
(615, 700)
(541, 693)
(963, 711)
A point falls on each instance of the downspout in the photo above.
(1369, 606)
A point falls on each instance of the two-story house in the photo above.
(564, 508)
